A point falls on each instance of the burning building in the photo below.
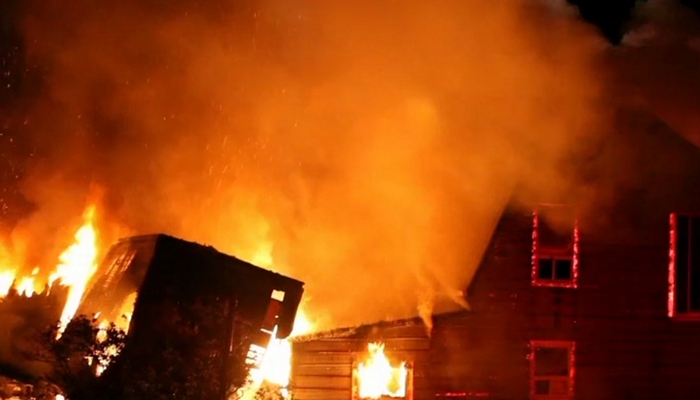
(567, 302)
(157, 287)
(162, 291)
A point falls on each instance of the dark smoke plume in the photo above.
(658, 63)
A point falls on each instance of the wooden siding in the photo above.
(322, 368)
(454, 359)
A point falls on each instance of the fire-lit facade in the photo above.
(580, 299)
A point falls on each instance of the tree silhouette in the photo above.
(185, 357)
(75, 357)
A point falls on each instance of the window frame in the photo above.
(358, 358)
(570, 345)
(672, 269)
(538, 253)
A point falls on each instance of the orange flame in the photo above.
(125, 312)
(273, 364)
(8, 269)
(77, 264)
(376, 377)
(26, 285)
(7, 278)
(276, 364)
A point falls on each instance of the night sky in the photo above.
(611, 16)
(21, 82)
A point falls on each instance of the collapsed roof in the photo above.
(160, 266)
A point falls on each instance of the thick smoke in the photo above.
(658, 62)
(364, 147)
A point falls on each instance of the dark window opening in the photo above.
(545, 270)
(542, 387)
(551, 361)
(687, 264)
(555, 269)
(562, 269)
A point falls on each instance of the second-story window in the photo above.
(684, 267)
(554, 247)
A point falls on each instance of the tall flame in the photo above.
(7, 278)
(276, 365)
(271, 365)
(376, 377)
(76, 265)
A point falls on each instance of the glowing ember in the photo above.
(376, 377)
(77, 264)
(7, 278)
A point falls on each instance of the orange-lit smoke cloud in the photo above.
(368, 147)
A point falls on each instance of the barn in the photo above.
(191, 311)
